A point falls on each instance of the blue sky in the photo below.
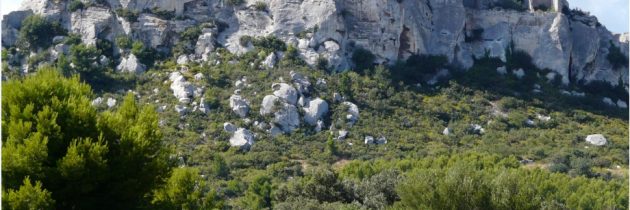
(612, 13)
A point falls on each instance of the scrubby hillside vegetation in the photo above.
(249, 132)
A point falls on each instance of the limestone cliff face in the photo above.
(571, 44)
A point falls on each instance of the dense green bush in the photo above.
(105, 47)
(83, 159)
(616, 57)
(269, 43)
(83, 57)
(363, 60)
(146, 55)
(124, 42)
(37, 32)
(260, 6)
(75, 5)
(417, 67)
(129, 15)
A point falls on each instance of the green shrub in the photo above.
(124, 42)
(260, 6)
(129, 15)
(37, 32)
(72, 39)
(105, 47)
(163, 14)
(616, 57)
(363, 60)
(245, 40)
(83, 56)
(417, 67)
(75, 5)
(235, 2)
(269, 43)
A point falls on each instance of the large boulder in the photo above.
(131, 64)
(286, 92)
(205, 44)
(94, 23)
(10, 25)
(596, 139)
(239, 105)
(242, 138)
(182, 89)
(314, 110)
(352, 112)
(268, 104)
(301, 82)
(287, 118)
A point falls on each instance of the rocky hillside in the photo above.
(570, 43)
(312, 104)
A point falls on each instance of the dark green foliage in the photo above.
(37, 32)
(235, 2)
(162, 14)
(475, 35)
(146, 55)
(616, 57)
(185, 189)
(129, 15)
(258, 194)
(105, 47)
(260, 6)
(75, 5)
(363, 60)
(85, 160)
(28, 197)
(269, 43)
(72, 39)
(83, 57)
(245, 40)
(511, 5)
(418, 67)
(124, 42)
(188, 40)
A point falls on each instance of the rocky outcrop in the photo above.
(131, 64)
(239, 104)
(182, 89)
(314, 110)
(242, 138)
(285, 92)
(571, 44)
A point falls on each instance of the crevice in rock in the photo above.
(405, 44)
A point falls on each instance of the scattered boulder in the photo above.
(287, 118)
(199, 76)
(205, 44)
(229, 127)
(608, 101)
(182, 89)
(502, 70)
(543, 117)
(111, 102)
(131, 64)
(314, 110)
(97, 101)
(320, 125)
(381, 140)
(239, 105)
(353, 112)
(301, 82)
(477, 129)
(270, 61)
(622, 104)
(181, 109)
(519, 73)
(182, 60)
(342, 134)
(446, 131)
(242, 138)
(596, 139)
(267, 104)
(285, 92)
(368, 140)
(275, 131)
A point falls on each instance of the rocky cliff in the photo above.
(570, 43)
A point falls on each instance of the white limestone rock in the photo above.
(301, 82)
(314, 111)
(353, 112)
(111, 102)
(182, 89)
(608, 101)
(286, 92)
(446, 131)
(268, 104)
(131, 64)
(182, 60)
(477, 129)
(270, 60)
(342, 134)
(229, 127)
(519, 73)
(287, 118)
(239, 105)
(596, 139)
(97, 101)
(622, 104)
(368, 140)
(242, 138)
(205, 44)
